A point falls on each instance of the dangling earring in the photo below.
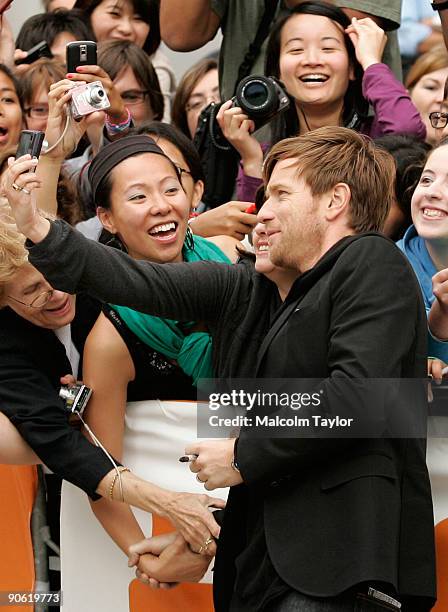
(189, 240)
(112, 240)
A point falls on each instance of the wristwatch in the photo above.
(233, 464)
(439, 6)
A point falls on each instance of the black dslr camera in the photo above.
(260, 98)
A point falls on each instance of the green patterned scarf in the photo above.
(192, 352)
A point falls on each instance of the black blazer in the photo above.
(340, 512)
(32, 360)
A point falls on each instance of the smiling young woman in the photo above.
(332, 70)
(139, 366)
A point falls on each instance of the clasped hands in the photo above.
(165, 560)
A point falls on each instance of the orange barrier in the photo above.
(441, 530)
(190, 597)
(18, 484)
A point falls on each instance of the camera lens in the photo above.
(256, 94)
(96, 95)
(67, 394)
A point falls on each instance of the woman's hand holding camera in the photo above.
(18, 184)
(59, 97)
(237, 128)
(369, 41)
(89, 74)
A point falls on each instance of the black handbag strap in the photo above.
(270, 7)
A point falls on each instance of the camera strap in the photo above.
(270, 8)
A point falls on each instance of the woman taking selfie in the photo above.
(139, 367)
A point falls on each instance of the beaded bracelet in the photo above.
(120, 470)
(116, 128)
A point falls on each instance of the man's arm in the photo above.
(186, 25)
(383, 23)
(184, 291)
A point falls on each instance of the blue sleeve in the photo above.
(411, 32)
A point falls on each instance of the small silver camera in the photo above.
(88, 98)
(75, 397)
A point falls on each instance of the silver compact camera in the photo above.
(88, 98)
(75, 397)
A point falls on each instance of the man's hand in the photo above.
(213, 466)
(165, 560)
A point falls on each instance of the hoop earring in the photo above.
(189, 240)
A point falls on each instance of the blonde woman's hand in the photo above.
(368, 39)
(190, 514)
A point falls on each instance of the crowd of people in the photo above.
(327, 270)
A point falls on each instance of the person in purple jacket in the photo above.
(332, 71)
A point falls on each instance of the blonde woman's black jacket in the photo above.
(32, 360)
(334, 512)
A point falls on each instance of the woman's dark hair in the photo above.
(69, 205)
(41, 72)
(179, 140)
(184, 90)
(410, 155)
(355, 106)
(46, 26)
(115, 55)
(148, 11)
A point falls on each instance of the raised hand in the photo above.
(89, 74)
(368, 39)
(237, 128)
(59, 98)
(18, 183)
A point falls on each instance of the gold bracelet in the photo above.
(121, 469)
